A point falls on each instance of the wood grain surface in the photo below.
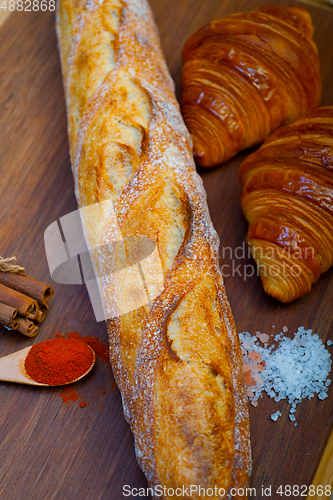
(53, 451)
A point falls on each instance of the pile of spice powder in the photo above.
(101, 349)
(58, 361)
(70, 394)
(297, 368)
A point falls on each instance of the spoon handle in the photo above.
(12, 368)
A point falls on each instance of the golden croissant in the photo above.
(246, 75)
(287, 198)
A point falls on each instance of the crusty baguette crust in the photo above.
(177, 361)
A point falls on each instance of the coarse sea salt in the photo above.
(276, 415)
(296, 369)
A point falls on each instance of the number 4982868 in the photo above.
(28, 5)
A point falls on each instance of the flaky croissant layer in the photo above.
(287, 198)
(246, 75)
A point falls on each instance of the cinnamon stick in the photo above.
(25, 326)
(42, 313)
(24, 305)
(34, 330)
(34, 313)
(7, 316)
(42, 292)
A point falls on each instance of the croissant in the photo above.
(287, 198)
(246, 75)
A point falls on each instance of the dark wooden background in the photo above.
(50, 450)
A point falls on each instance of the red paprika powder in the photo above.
(58, 361)
(100, 348)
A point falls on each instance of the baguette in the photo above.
(176, 360)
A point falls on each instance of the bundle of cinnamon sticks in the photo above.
(23, 302)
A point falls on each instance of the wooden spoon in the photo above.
(12, 368)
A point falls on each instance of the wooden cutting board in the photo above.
(50, 450)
